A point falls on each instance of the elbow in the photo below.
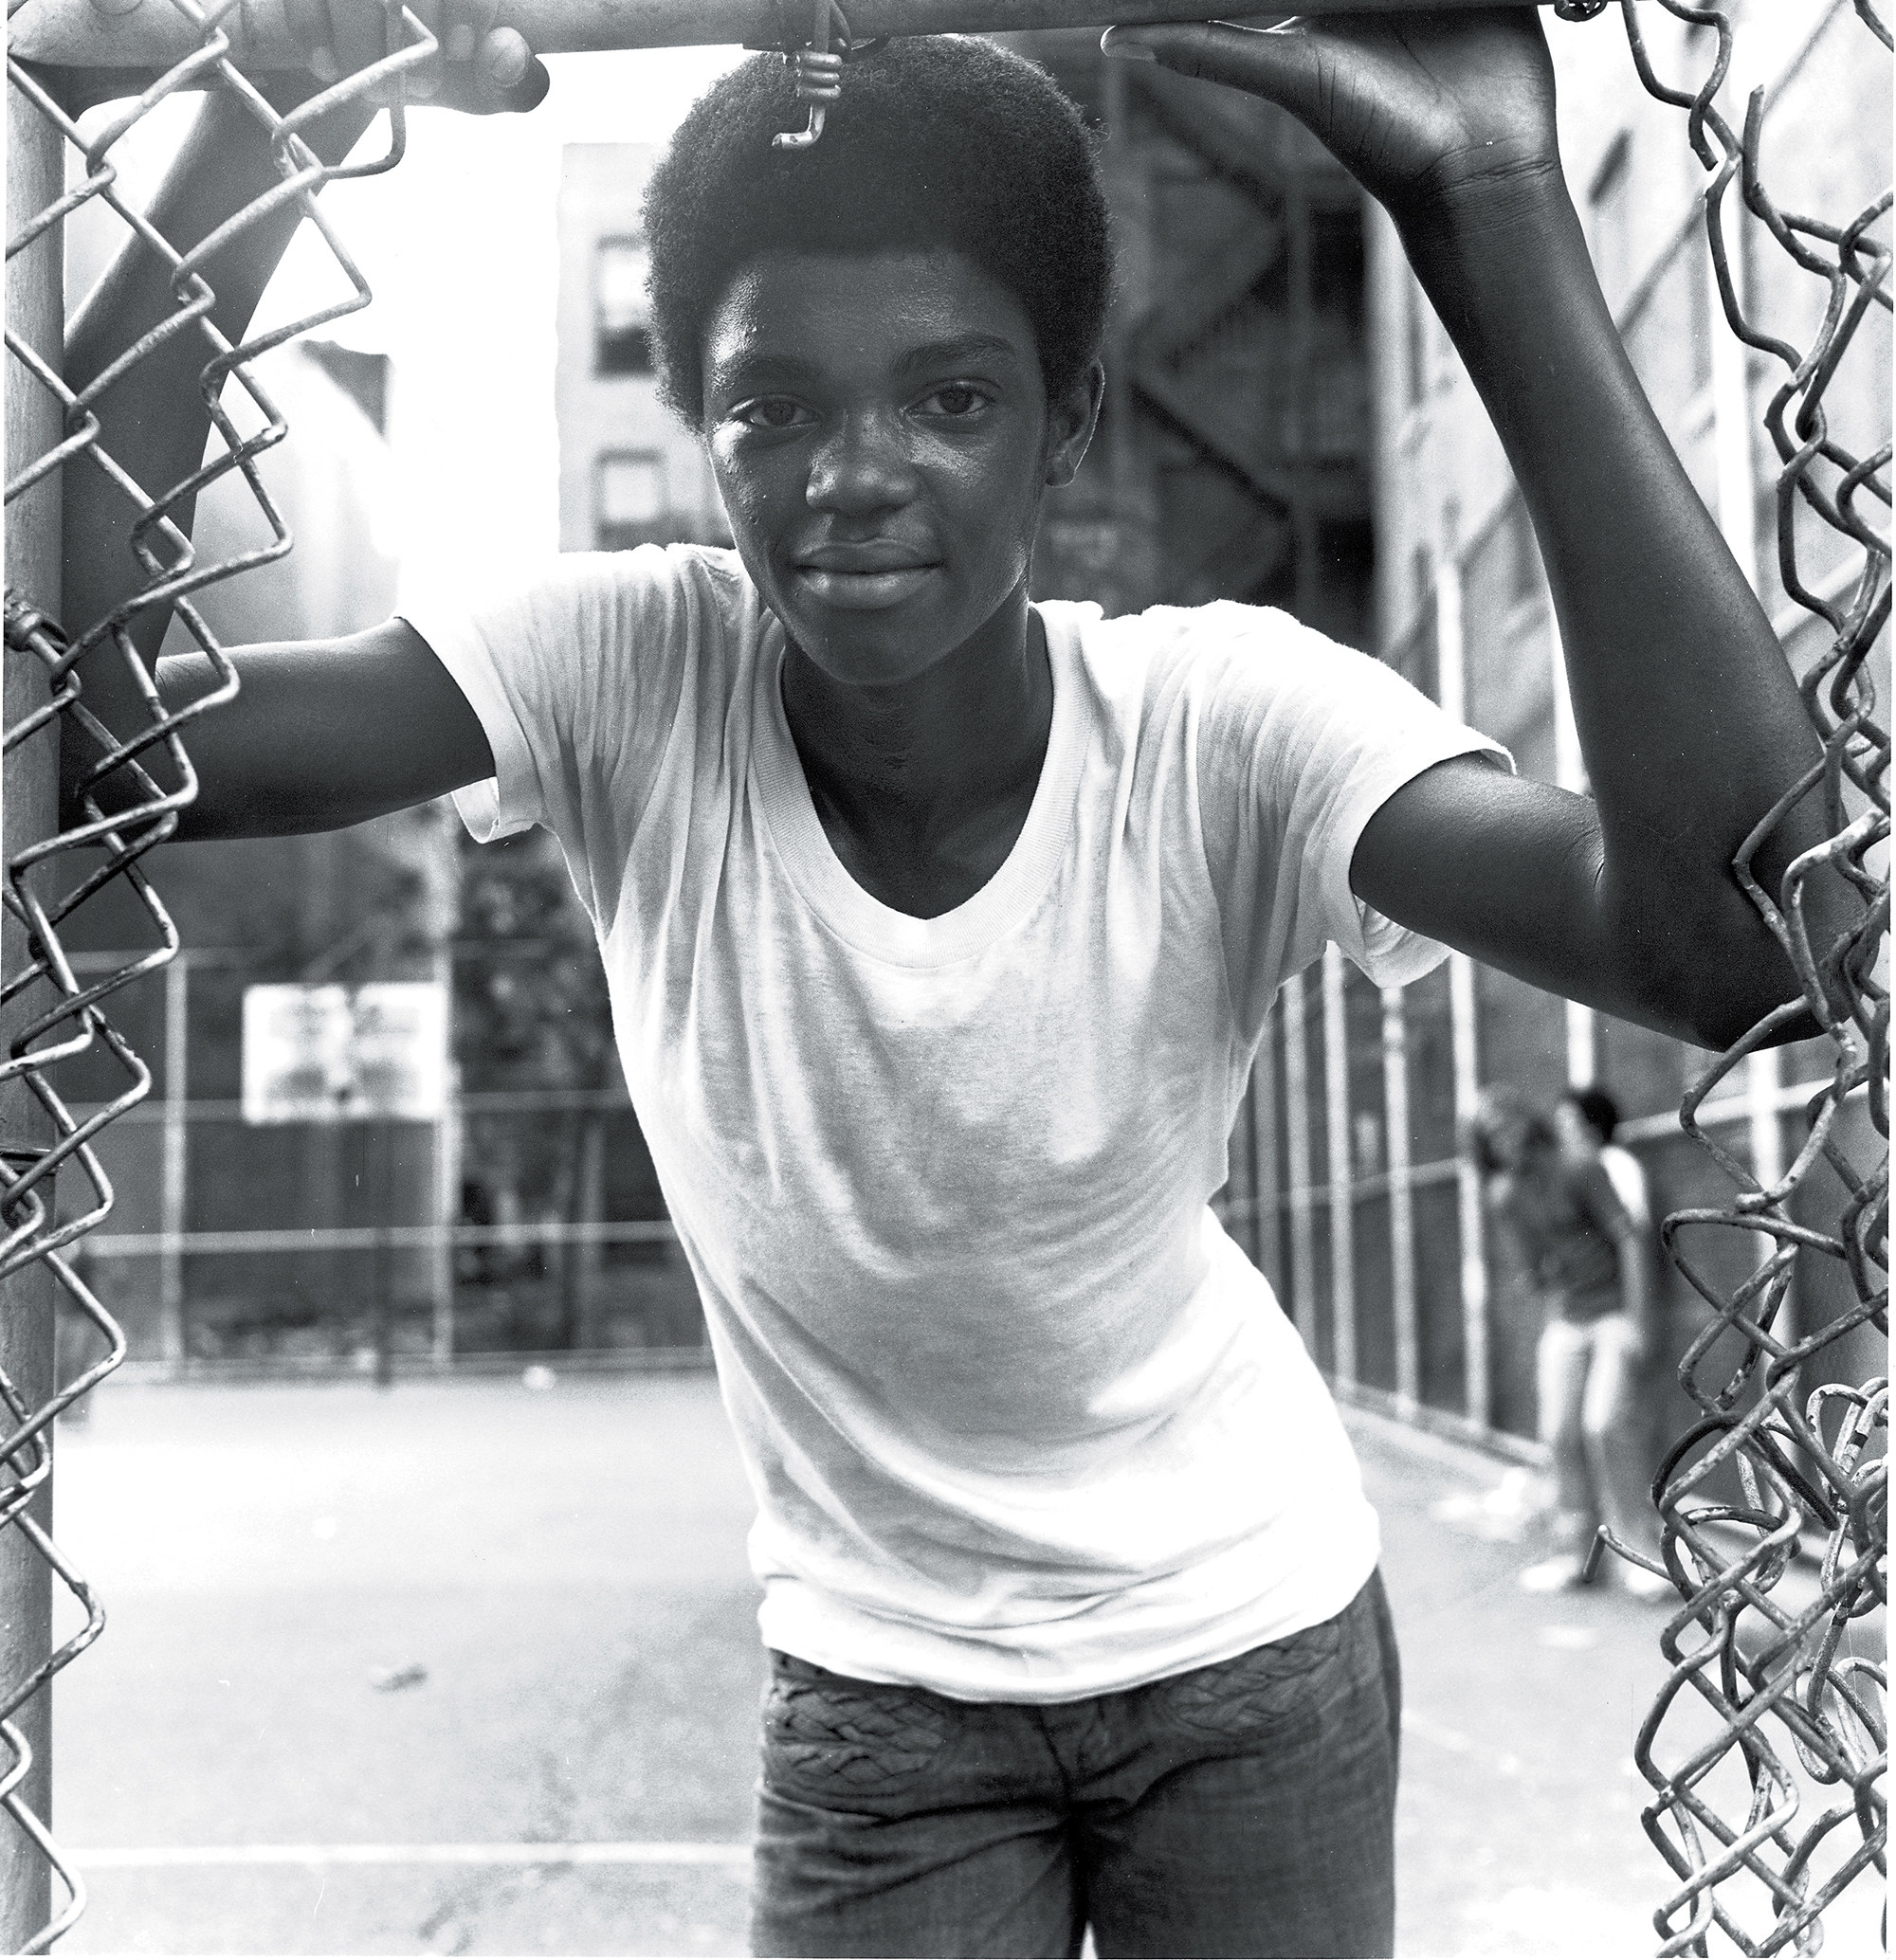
(1714, 973)
(1753, 996)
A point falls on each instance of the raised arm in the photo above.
(1687, 714)
(324, 734)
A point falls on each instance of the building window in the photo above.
(621, 313)
(629, 503)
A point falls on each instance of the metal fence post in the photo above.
(1477, 1392)
(173, 1193)
(447, 1206)
(1343, 1192)
(35, 314)
(1401, 1198)
(1297, 1123)
(1570, 772)
(1267, 1233)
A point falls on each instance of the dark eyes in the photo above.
(772, 411)
(958, 399)
(955, 401)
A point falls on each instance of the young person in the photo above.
(1586, 1259)
(942, 927)
(1588, 1120)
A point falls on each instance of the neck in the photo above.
(924, 752)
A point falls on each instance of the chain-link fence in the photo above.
(1787, 1708)
(1809, 1461)
(56, 1015)
(519, 1220)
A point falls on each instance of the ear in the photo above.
(1071, 418)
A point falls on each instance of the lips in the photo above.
(863, 577)
(866, 560)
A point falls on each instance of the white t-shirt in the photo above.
(1629, 1182)
(1023, 1423)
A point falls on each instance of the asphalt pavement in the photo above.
(472, 1667)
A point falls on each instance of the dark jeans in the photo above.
(1243, 1809)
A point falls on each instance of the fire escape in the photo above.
(1232, 458)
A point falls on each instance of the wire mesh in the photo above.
(1782, 1694)
(1806, 1462)
(55, 1016)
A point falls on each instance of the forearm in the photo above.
(154, 419)
(324, 734)
(1687, 710)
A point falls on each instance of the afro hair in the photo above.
(938, 142)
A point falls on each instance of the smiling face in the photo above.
(882, 436)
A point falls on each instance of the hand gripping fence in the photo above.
(1780, 1694)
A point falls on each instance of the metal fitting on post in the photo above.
(819, 81)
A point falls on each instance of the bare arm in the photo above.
(321, 734)
(1687, 714)
(325, 733)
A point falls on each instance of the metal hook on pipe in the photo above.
(819, 79)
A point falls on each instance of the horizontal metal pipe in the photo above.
(153, 34)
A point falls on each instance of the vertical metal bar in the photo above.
(1343, 1188)
(1401, 1197)
(1570, 772)
(1476, 1394)
(29, 811)
(1738, 522)
(378, 1147)
(447, 1206)
(1270, 1253)
(174, 1166)
(1308, 583)
(1451, 656)
(1297, 1126)
(1582, 1044)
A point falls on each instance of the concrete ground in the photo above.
(369, 1654)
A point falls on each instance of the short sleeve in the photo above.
(1299, 742)
(576, 680)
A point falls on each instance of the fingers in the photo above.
(465, 25)
(488, 69)
(512, 78)
(340, 37)
(314, 33)
(425, 78)
(475, 66)
(1279, 62)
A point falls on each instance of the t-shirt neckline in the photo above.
(864, 921)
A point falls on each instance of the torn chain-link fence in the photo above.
(1783, 1459)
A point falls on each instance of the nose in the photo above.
(862, 466)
